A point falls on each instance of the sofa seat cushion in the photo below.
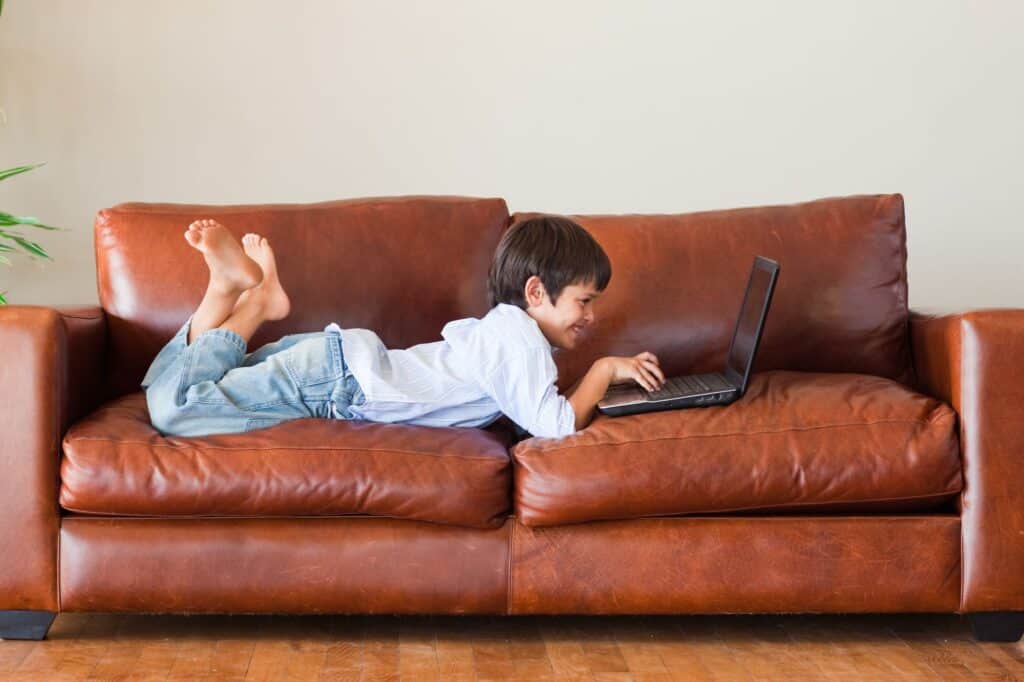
(795, 442)
(116, 463)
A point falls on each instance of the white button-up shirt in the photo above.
(501, 363)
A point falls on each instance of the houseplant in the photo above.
(8, 220)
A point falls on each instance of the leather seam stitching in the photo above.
(79, 510)
(118, 517)
(823, 503)
(730, 510)
(240, 449)
(508, 563)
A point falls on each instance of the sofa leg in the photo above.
(997, 626)
(25, 624)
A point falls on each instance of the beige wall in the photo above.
(579, 106)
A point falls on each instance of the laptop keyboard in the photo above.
(686, 385)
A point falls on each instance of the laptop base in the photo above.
(632, 400)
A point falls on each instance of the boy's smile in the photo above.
(565, 323)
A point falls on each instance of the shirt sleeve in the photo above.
(523, 386)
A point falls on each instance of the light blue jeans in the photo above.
(213, 386)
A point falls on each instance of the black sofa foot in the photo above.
(997, 626)
(25, 624)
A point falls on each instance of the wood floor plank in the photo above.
(979, 660)
(640, 647)
(343, 659)
(267, 660)
(565, 652)
(453, 648)
(697, 650)
(826, 646)
(773, 643)
(46, 660)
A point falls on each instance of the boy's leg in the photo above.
(284, 343)
(265, 301)
(209, 391)
(232, 271)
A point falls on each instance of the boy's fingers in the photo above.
(657, 371)
(655, 384)
(646, 378)
(638, 375)
(652, 370)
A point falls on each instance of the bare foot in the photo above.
(269, 293)
(231, 270)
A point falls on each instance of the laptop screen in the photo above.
(742, 350)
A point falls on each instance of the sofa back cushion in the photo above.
(840, 303)
(401, 266)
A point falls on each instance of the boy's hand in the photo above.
(642, 367)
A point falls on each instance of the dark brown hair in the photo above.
(554, 248)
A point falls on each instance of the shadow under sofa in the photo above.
(872, 466)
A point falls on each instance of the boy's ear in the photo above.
(534, 291)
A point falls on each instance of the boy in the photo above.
(542, 284)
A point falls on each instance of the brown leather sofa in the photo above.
(874, 465)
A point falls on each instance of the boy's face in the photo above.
(563, 324)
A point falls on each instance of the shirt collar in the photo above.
(511, 309)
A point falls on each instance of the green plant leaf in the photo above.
(32, 247)
(3, 301)
(8, 219)
(4, 174)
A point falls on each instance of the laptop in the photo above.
(715, 388)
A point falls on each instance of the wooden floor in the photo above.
(385, 647)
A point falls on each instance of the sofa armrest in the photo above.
(50, 375)
(975, 362)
